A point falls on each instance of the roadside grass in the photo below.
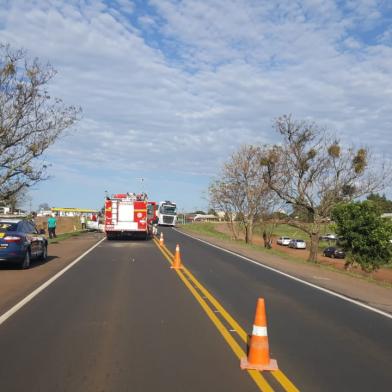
(64, 236)
(285, 230)
(208, 229)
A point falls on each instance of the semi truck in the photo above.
(129, 215)
(167, 213)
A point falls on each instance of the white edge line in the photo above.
(260, 264)
(34, 293)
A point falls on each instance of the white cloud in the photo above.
(181, 87)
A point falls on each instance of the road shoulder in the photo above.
(355, 288)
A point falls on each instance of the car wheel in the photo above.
(333, 255)
(44, 255)
(26, 260)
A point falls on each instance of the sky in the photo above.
(170, 89)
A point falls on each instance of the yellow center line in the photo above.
(260, 381)
(278, 374)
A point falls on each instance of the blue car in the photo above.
(21, 242)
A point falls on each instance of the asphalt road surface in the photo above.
(122, 320)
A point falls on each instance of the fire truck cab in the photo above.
(128, 215)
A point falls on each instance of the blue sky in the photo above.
(169, 89)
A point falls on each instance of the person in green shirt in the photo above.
(52, 222)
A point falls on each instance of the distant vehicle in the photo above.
(167, 213)
(297, 244)
(334, 253)
(95, 225)
(21, 242)
(329, 237)
(283, 241)
(128, 214)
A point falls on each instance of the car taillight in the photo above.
(10, 238)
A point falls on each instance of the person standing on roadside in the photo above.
(52, 223)
(83, 222)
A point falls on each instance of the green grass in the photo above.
(206, 228)
(64, 236)
(285, 230)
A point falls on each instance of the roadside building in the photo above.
(205, 218)
(5, 210)
(71, 211)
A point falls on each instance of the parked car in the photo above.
(95, 226)
(283, 241)
(20, 242)
(297, 244)
(329, 237)
(333, 252)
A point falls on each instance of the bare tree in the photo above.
(30, 120)
(241, 191)
(221, 199)
(44, 206)
(311, 172)
(17, 199)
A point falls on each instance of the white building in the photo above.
(5, 210)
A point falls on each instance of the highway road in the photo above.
(122, 320)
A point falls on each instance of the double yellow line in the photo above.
(201, 294)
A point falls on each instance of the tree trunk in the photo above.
(265, 239)
(231, 224)
(248, 231)
(313, 251)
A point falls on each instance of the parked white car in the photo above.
(283, 241)
(297, 244)
(329, 237)
(95, 225)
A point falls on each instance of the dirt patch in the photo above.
(65, 224)
(382, 275)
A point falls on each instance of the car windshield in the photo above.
(7, 226)
(169, 210)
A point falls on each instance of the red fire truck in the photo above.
(128, 214)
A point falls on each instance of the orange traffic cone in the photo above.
(161, 241)
(258, 355)
(177, 259)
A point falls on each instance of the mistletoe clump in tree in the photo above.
(311, 172)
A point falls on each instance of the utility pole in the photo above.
(141, 179)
